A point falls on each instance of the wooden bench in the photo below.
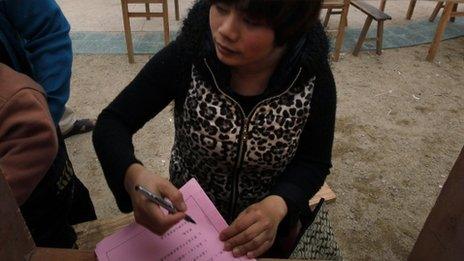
(372, 13)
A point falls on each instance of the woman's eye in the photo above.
(254, 22)
(221, 8)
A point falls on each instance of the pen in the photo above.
(161, 202)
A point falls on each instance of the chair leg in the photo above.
(412, 4)
(176, 5)
(383, 3)
(341, 30)
(147, 9)
(434, 14)
(379, 38)
(455, 8)
(445, 17)
(127, 30)
(362, 36)
(166, 22)
(327, 17)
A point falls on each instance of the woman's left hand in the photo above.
(254, 230)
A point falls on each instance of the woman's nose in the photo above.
(230, 27)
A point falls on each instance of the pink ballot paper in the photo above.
(184, 241)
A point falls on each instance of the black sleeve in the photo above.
(307, 171)
(157, 84)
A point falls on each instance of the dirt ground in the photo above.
(399, 130)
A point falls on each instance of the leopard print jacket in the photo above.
(236, 157)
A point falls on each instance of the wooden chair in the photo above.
(438, 6)
(412, 5)
(372, 14)
(337, 7)
(126, 15)
(449, 12)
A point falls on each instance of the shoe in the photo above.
(79, 127)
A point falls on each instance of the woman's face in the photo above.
(240, 40)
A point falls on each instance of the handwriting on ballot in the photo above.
(184, 241)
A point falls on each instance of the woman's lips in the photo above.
(224, 50)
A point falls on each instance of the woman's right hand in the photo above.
(147, 213)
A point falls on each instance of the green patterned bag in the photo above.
(318, 241)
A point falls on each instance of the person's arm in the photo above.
(28, 140)
(157, 84)
(46, 33)
(306, 174)
(151, 91)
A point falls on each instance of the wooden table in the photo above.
(16, 242)
(92, 232)
(442, 237)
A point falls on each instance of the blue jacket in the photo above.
(35, 35)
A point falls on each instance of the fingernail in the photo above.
(250, 255)
(183, 207)
(236, 251)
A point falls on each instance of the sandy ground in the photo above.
(106, 15)
(399, 130)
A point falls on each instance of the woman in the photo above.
(254, 119)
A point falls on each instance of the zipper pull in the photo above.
(245, 130)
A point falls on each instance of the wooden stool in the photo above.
(337, 7)
(126, 15)
(372, 14)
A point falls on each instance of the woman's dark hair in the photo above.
(288, 18)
